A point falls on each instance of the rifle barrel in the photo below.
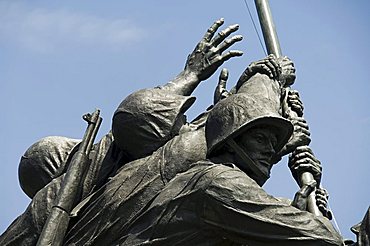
(57, 222)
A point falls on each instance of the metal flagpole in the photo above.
(268, 27)
(273, 47)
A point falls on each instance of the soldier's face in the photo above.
(260, 144)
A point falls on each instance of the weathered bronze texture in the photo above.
(156, 179)
(57, 223)
(273, 47)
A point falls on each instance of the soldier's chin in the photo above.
(287, 79)
(261, 180)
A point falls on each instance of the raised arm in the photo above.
(209, 54)
(148, 118)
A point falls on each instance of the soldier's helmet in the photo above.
(239, 112)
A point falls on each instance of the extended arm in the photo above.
(148, 118)
(207, 57)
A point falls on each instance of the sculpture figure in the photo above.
(160, 109)
(151, 117)
(139, 168)
(220, 201)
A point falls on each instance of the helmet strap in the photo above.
(245, 157)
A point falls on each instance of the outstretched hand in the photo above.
(209, 54)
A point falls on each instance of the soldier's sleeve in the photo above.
(240, 209)
(147, 119)
(26, 229)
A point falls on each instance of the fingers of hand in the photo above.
(302, 149)
(260, 68)
(221, 92)
(304, 157)
(321, 205)
(322, 208)
(219, 95)
(294, 98)
(295, 102)
(228, 55)
(307, 165)
(228, 43)
(271, 56)
(297, 108)
(299, 150)
(224, 75)
(221, 87)
(273, 73)
(321, 197)
(304, 167)
(322, 192)
(285, 61)
(299, 122)
(273, 64)
(321, 200)
(263, 66)
(224, 34)
(301, 134)
(212, 30)
(276, 66)
(293, 93)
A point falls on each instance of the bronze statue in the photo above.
(46, 159)
(164, 114)
(155, 163)
(220, 201)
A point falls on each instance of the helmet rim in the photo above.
(284, 126)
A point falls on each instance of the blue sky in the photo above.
(60, 60)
